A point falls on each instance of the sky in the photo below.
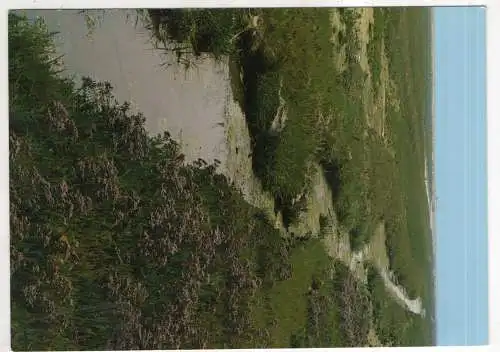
(460, 169)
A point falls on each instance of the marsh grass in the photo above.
(289, 52)
(369, 184)
(101, 259)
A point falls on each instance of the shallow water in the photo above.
(189, 104)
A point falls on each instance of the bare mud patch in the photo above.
(239, 162)
(187, 103)
(319, 203)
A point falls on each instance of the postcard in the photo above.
(212, 178)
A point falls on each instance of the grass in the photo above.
(415, 112)
(279, 63)
(294, 149)
(375, 46)
(306, 260)
(390, 319)
(97, 253)
(326, 123)
(101, 259)
(393, 324)
(337, 312)
(289, 54)
(325, 305)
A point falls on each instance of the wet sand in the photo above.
(189, 104)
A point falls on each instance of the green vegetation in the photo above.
(393, 324)
(283, 306)
(275, 60)
(213, 32)
(376, 45)
(408, 240)
(102, 259)
(290, 54)
(327, 325)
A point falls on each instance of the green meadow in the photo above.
(101, 259)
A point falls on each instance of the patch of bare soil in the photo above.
(373, 339)
(319, 202)
(363, 24)
(239, 162)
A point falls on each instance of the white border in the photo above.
(493, 101)
(78, 4)
(493, 74)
